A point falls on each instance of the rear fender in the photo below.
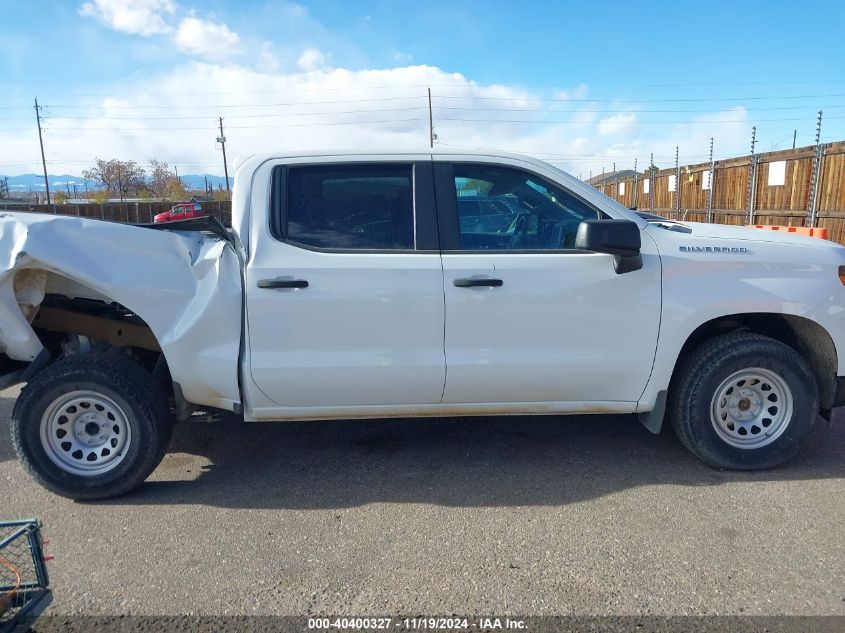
(185, 285)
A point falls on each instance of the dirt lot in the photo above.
(587, 515)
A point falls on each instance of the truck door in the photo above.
(344, 287)
(528, 317)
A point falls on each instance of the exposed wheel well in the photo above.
(70, 318)
(806, 337)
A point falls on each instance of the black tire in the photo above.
(700, 376)
(126, 384)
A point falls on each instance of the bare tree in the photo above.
(159, 178)
(176, 191)
(117, 176)
(163, 182)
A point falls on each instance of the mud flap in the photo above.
(653, 420)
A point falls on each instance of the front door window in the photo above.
(502, 209)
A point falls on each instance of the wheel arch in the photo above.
(807, 337)
(179, 326)
(54, 303)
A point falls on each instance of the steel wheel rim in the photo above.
(751, 408)
(85, 433)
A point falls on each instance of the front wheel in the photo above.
(744, 402)
(91, 426)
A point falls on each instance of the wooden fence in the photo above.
(782, 191)
(129, 212)
(800, 187)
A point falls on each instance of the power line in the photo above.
(538, 121)
(547, 122)
(469, 84)
(689, 100)
(240, 116)
(233, 105)
(617, 111)
(242, 127)
(436, 96)
(407, 109)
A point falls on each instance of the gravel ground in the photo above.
(521, 515)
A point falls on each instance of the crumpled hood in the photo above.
(727, 232)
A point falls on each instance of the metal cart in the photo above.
(24, 584)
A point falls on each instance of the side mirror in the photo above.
(620, 238)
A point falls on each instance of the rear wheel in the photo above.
(744, 402)
(91, 426)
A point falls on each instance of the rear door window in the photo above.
(350, 207)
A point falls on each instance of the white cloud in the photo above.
(311, 59)
(579, 92)
(192, 35)
(268, 58)
(269, 109)
(206, 38)
(616, 123)
(136, 17)
(110, 103)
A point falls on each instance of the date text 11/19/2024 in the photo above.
(416, 623)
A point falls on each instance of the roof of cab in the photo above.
(325, 153)
(585, 190)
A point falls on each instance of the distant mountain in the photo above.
(197, 181)
(35, 182)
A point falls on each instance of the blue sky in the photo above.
(579, 85)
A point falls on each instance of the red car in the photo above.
(181, 211)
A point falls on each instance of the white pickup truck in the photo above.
(397, 285)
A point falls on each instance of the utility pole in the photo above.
(431, 134)
(41, 142)
(206, 185)
(119, 183)
(794, 134)
(222, 140)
